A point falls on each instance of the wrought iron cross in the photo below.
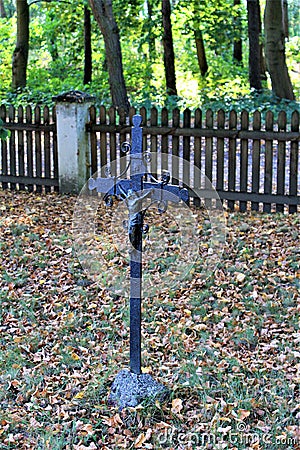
(133, 191)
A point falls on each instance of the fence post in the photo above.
(73, 143)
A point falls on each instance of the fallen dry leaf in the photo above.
(176, 405)
(228, 346)
(243, 414)
(142, 438)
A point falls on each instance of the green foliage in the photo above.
(220, 21)
(293, 62)
(7, 40)
(3, 132)
(253, 101)
(10, 7)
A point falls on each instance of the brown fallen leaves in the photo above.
(227, 346)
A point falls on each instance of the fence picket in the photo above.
(164, 139)
(132, 112)
(256, 159)
(197, 154)
(4, 161)
(55, 151)
(294, 159)
(93, 141)
(103, 141)
(232, 158)
(220, 152)
(20, 134)
(281, 156)
(29, 142)
(268, 161)
(143, 113)
(186, 148)
(122, 123)
(12, 146)
(244, 159)
(209, 123)
(38, 147)
(175, 146)
(112, 141)
(153, 123)
(47, 150)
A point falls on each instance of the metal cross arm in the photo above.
(110, 187)
(164, 193)
(103, 185)
(160, 193)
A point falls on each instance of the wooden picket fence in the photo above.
(250, 161)
(28, 159)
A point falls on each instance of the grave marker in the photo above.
(131, 387)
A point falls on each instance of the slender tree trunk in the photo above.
(103, 13)
(238, 50)
(51, 36)
(201, 56)
(3, 14)
(87, 78)
(254, 43)
(237, 44)
(285, 13)
(20, 55)
(263, 67)
(150, 38)
(169, 57)
(53, 49)
(275, 50)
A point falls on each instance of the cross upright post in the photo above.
(136, 176)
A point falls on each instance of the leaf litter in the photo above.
(228, 346)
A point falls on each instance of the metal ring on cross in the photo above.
(183, 241)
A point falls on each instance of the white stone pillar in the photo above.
(73, 142)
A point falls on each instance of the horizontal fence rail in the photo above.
(249, 160)
(28, 158)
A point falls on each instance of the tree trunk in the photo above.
(3, 14)
(262, 60)
(238, 50)
(285, 19)
(169, 58)
(103, 13)
(51, 36)
(150, 37)
(263, 67)
(237, 44)
(275, 50)
(20, 55)
(87, 78)
(253, 9)
(201, 56)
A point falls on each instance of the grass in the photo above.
(227, 346)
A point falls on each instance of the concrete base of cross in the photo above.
(130, 389)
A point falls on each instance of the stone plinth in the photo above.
(130, 389)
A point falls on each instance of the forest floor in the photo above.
(227, 346)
